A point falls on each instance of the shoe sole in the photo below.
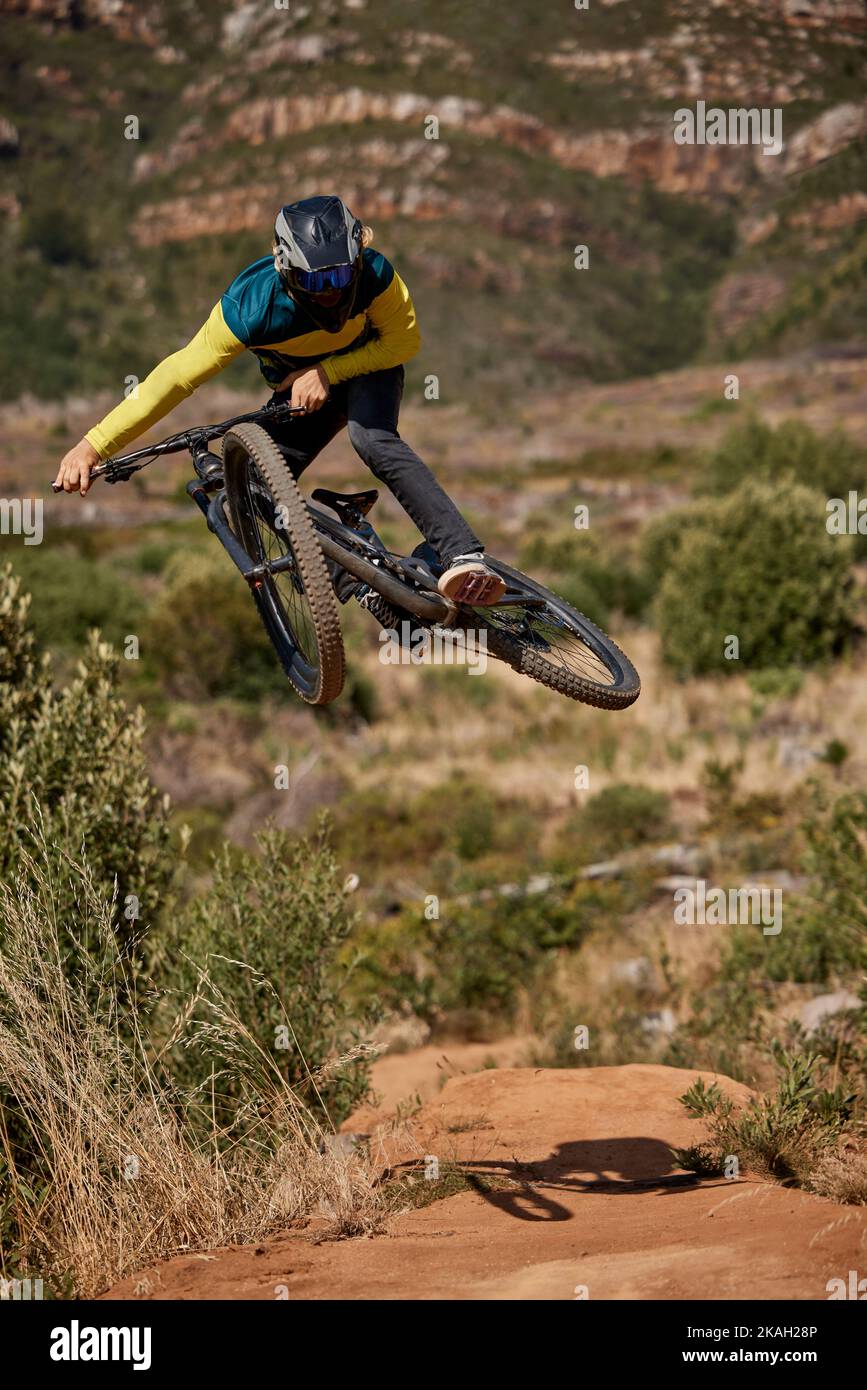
(477, 590)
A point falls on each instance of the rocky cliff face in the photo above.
(645, 154)
(550, 132)
(131, 21)
(635, 155)
(821, 12)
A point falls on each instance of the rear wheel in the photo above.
(548, 640)
(297, 605)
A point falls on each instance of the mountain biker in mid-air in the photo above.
(330, 319)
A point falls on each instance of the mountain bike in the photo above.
(297, 555)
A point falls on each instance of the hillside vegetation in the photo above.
(216, 902)
(467, 884)
(555, 130)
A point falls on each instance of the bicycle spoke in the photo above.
(286, 587)
(540, 630)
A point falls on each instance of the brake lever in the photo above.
(105, 470)
(279, 410)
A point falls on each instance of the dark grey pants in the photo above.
(369, 406)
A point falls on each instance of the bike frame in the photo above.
(403, 580)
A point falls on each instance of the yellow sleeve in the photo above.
(393, 316)
(212, 349)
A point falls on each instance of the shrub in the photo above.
(759, 565)
(475, 827)
(105, 1170)
(269, 932)
(618, 818)
(153, 556)
(473, 823)
(829, 934)
(663, 536)
(73, 594)
(833, 463)
(724, 1031)
(390, 831)
(23, 674)
(590, 572)
(823, 940)
(841, 1177)
(472, 965)
(207, 1101)
(808, 949)
(72, 769)
(783, 1135)
(77, 754)
(203, 636)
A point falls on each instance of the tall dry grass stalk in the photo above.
(114, 1171)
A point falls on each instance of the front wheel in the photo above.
(542, 636)
(297, 604)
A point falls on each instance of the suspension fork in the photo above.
(211, 501)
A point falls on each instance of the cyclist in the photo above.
(330, 320)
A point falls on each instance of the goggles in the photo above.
(332, 277)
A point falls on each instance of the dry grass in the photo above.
(842, 1177)
(120, 1176)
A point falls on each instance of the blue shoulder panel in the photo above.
(376, 275)
(257, 308)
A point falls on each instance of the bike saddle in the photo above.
(349, 506)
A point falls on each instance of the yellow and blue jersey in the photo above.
(257, 315)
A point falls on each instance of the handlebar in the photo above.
(122, 467)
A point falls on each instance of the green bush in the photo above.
(833, 463)
(202, 635)
(74, 759)
(829, 933)
(757, 564)
(72, 594)
(782, 1135)
(471, 965)
(618, 818)
(823, 941)
(662, 537)
(268, 932)
(85, 1088)
(81, 825)
(590, 572)
(153, 556)
(72, 772)
(458, 821)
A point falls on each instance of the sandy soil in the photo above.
(596, 1204)
(401, 1079)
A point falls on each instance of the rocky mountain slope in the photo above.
(144, 147)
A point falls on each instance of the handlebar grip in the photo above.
(97, 472)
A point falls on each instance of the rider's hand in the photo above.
(310, 387)
(74, 471)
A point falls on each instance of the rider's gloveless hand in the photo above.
(310, 387)
(73, 474)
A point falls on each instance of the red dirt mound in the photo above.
(576, 1190)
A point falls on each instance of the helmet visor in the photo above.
(332, 277)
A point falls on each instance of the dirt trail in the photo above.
(606, 1209)
(401, 1079)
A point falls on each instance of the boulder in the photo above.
(817, 1011)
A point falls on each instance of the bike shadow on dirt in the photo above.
(605, 1167)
